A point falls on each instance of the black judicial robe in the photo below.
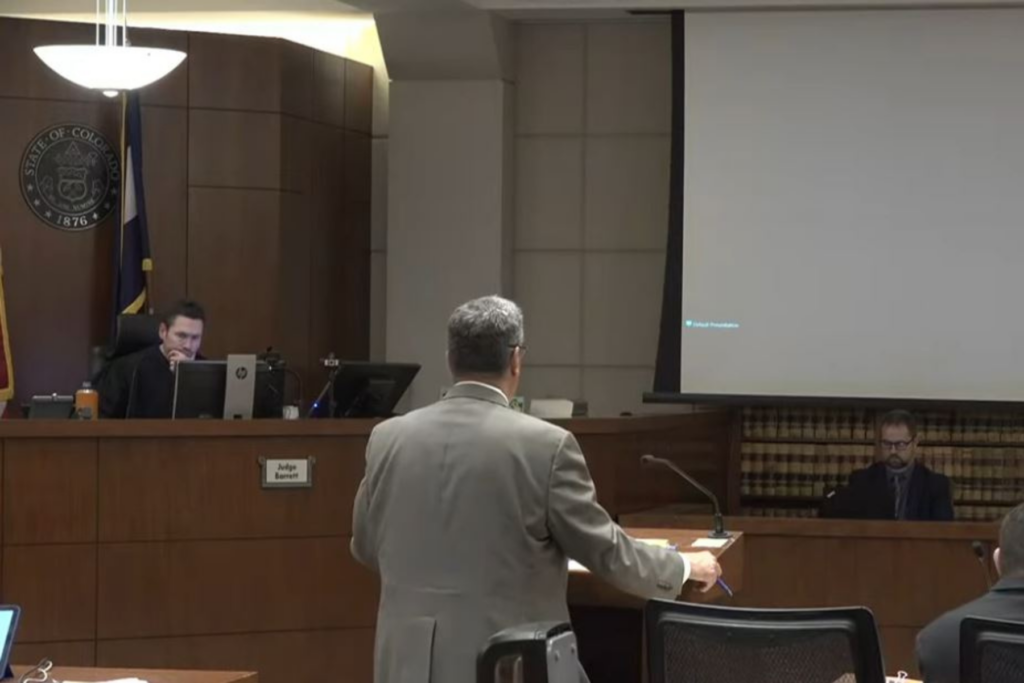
(140, 385)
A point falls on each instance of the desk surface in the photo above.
(76, 673)
(682, 516)
(29, 429)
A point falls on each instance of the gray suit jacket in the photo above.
(469, 511)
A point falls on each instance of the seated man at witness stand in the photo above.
(897, 487)
(141, 385)
(938, 645)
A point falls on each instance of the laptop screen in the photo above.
(8, 625)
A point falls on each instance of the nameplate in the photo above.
(287, 473)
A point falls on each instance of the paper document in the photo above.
(710, 543)
(113, 680)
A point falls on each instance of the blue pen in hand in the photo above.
(719, 582)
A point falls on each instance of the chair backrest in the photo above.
(689, 643)
(134, 333)
(991, 651)
(543, 652)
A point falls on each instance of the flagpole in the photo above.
(119, 214)
(147, 270)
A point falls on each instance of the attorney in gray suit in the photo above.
(470, 510)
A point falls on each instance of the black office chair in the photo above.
(689, 643)
(133, 333)
(543, 652)
(991, 651)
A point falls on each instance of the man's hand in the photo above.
(174, 356)
(704, 569)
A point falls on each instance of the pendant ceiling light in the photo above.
(114, 65)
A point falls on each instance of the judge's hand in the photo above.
(174, 356)
(704, 569)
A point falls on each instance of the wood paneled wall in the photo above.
(257, 178)
(152, 544)
(165, 552)
(699, 443)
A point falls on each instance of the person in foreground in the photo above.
(141, 385)
(898, 487)
(470, 510)
(938, 645)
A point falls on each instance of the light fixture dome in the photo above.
(100, 67)
(115, 65)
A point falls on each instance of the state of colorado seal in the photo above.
(70, 177)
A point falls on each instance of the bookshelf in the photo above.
(791, 456)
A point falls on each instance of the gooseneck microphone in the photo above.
(719, 532)
(981, 552)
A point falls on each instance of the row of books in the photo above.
(808, 424)
(818, 460)
(753, 485)
(966, 513)
(823, 424)
(979, 513)
(789, 513)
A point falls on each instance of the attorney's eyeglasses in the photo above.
(898, 446)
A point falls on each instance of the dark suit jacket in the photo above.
(938, 645)
(868, 496)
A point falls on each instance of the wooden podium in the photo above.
(609, 623)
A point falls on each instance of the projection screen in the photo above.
(854, 204)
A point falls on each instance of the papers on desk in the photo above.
(575, 566)
(115, 680)
(710, 543)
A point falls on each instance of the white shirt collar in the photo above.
(483, 384)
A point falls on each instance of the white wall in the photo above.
(590, 199)
(591, 207)
(447, 215)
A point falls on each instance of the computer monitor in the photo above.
(365, 389)
(199, 388)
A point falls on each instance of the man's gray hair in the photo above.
(482, 334)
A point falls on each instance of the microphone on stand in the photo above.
(719, 532)
(981, 552)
